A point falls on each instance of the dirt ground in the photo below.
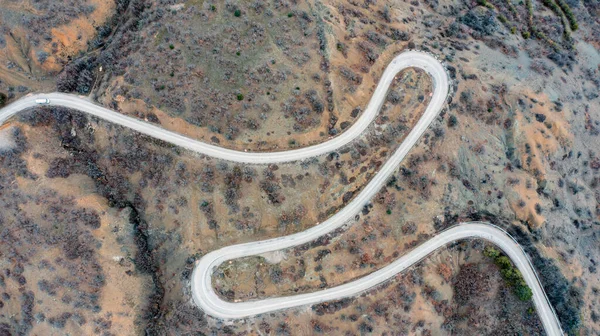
(427, 300)
(282, 196)
(516, 145)
(38, 38)
(266, 91)
(67, 256)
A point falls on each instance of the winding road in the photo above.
(203, 292)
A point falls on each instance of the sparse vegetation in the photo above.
(569, 14)
(481, 20)
(35, 34)
(302, 76)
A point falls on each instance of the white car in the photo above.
(42, 101)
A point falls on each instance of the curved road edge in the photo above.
(215, 306)
(405, 60)
(202, 290)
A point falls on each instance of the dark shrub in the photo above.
(481, 20)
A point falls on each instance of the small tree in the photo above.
(491, 252)
(510, 274)
(503, 262)
(523, 291)
(452, 121)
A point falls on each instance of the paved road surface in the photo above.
(202, 290)
(205, 296)
(405, 60)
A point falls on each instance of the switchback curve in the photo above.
(405, 60)
(202, 291)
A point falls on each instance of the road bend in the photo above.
(203, 292)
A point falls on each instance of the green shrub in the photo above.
(530, 15)
(523, 292)
(237, 13)
(511, 275)
(512, 7)
(485, 4)
(526, 34)
(552, 5)
(503, 262)
(290, 14)
(569, 14)
(240, 96)
(171, 46)
(3, 99)
(574, 26)
(561, 8)
(491, 252)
